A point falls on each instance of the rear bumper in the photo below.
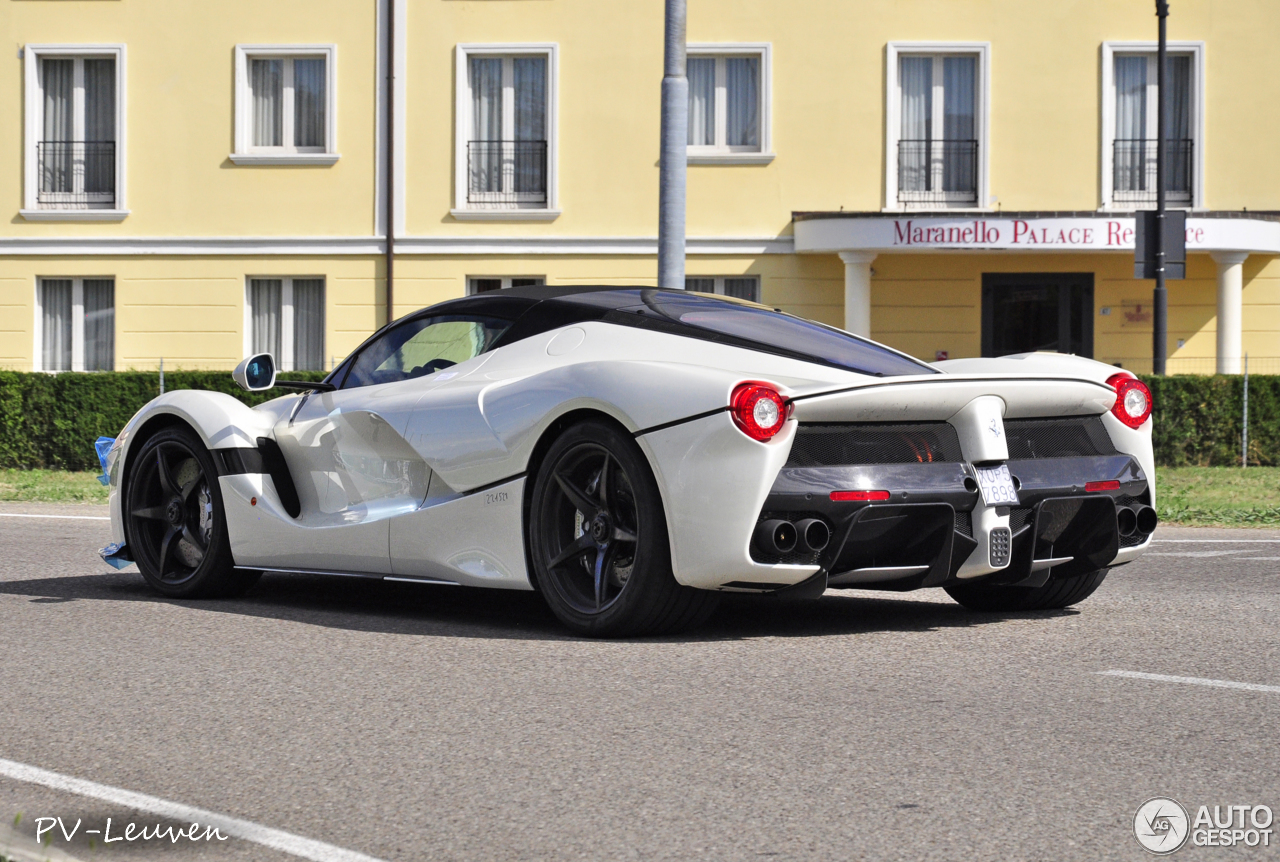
(935, 529)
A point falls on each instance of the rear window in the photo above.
(776, 332)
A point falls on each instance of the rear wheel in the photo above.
(1053, 595)
(174, 519)
(598, 539)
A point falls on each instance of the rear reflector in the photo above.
(1113, 485)
(858, 496)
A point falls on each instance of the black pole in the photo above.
(1160, 303)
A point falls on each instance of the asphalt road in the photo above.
(408, 722)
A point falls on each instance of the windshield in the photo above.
(775, 331)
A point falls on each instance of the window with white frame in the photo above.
(1130, 120)
(484, 284)
(739, 286)
(285, 104)
(77, 324)
(728, 101)
(286, 319)
(74, 131)
(506, 129)
(937, 126)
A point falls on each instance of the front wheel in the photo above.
(598, 539)
(174, 520)
(1052, 596)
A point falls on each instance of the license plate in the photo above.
(997, 486)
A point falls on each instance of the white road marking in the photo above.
(276, 839)
(1218, 541)
(1195, 553)
(60, 517)
(1191, 680)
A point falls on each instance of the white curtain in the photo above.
(308, 324)
(1130, 149)
(309, 103)
(959, 96)
(266, 78)
(530, 151)
(55, 155)
(99, 324)
(486, 124)
(1131, 98)
(915, 77)
(1178, 129)
(55, 319)
(701, 72)
(742, 94)
(100, 126)
(742, 288)
(264, 305)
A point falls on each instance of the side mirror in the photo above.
(256, 374)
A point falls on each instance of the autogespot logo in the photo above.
(1161, 825)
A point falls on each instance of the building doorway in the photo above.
(1023, 312)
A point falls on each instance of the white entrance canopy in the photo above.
(1229, 237)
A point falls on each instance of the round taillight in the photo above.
(758, 410)
(1133, 399)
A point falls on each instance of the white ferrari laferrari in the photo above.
(631, 453)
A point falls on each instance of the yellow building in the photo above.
(193, 181)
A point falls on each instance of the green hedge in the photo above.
(51, 420)
(1199, 419)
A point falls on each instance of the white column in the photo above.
(857, 291)
(1230, 309)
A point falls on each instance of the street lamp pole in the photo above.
(674, 152)
(1160, 303)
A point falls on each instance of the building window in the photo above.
(1130, 118)
(74, 132)
(77, 329)
(937, 127)
(285, 104)
(484, 284)
(739, 286)
(728, 103)
(286, 319)
(506, 125)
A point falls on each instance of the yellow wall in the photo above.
(190, 311)
(828, 116)
(180, 86)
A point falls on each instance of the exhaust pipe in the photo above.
(814, 534)
(1126, 520)
(1146, 519)
(776, 537)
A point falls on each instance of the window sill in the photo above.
(731, 158)
(505, 215)
(940, 208)
(74, 215)
(285, 158)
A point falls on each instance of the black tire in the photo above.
(598, 539)
(1052, 596)
(175, 525)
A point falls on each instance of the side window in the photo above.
(423, 346)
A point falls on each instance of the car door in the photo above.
(353, 469)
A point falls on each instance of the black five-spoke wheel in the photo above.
(599, 542)
(175, 524)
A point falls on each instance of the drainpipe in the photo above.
(391, 158)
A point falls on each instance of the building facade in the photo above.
(193, 182)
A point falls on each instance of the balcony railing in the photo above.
(76, 174)
(504, 174)
(1134, 171)
(941, 172)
